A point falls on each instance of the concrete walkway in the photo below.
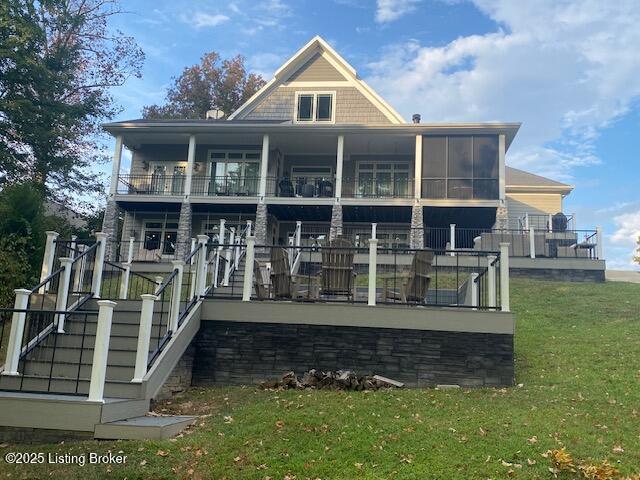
(622, 276)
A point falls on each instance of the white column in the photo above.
(264, 167)
(115, 171)
(452, 236)
(249, 223)
(48, 258)
(63, 292)
(526, 221)
(550, 223)
(339, 163)
(201, 265)
(14, 344)
(298, 233)
(475, 299)
(221, 242)
(96, 282)
(191, 159)
(144, 337)
(101, 351)
(227, 256)
(248, 269)
(130, 253)
(502, 147)
(599, 245)
(373, 276)
(504, 277)
(532, 242)
(491, 281)
(176, 294)
(78, 276)
(417, 170)
(124, 284)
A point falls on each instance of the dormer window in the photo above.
(312, 107)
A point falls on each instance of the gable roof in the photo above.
(317, 47)
(517, 180)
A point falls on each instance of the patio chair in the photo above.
(337, 277)
(414, 289)
(286, 188)
(282, 282)
(258, 282)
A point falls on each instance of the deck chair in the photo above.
(338, 275)
(258, 282)
(282, 282)
(414, 289)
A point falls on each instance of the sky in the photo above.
(568, 70)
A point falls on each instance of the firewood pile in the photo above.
(338, 380)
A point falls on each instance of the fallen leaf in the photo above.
(279, 424)
(617, 449)
(162, 453)
(532, 440)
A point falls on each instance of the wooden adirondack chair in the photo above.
(258, 282)
(338, 275)
(417, 283)
(282, 282)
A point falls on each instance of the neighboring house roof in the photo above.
(519, 181)
(318, 51)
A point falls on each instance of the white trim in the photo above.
(309, 166)
(314, 106)
(317, 84)
(303, 55)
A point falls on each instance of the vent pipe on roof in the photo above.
(416, 118)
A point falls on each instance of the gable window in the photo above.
(315, 107)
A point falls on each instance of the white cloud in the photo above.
(623, 242)
(565, 69)
(390, 10)
(203, 19)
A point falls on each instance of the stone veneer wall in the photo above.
(559, 275)
(260, 226)
(110, 227)
(335, 228)
(184, 231)
(180, 377)
(246, 353)
(416, 235)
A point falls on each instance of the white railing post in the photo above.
(101, 351)
(201, 265)
(374, 230)
(298, 234)
(491, 281)
(176, 294)
(14, 344)
(227, 256)
(63, 292)
(532, 242)
(48, 258)
(249, 227)
(221, 237)
(526, 221)
(373, 276)
(144, 336)
(475, 299)
(124, 285)
(452, 236)
(78, 276)
(550, 223)
(504, 277)
(130, 252)
(599, 245)
(193, 247)
(236, 256)
(248, 269)
(96, 282)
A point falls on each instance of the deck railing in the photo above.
(225, 186)
(151, 184)
(378, 188)
(301, 186)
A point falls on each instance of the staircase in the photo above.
(235, 285)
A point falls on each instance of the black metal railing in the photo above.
(151, 250)
(300, 186)
(151, 184)
(113, 283)
(460, 188)
(162, 317)
(225, 186)
(378, 188)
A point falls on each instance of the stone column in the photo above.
(502, 218)
(335, 230)
(261, 224)
(110, 227)
(184, 231)
(416, 236)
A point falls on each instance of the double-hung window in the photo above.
(315, 107)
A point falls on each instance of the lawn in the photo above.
(578, 375)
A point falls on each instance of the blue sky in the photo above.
(569, 70)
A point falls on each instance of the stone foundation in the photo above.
(110, 227)
(335, 229)
(26, 435)
(246, 353)
(559, 275)
(416, 236)
(502, 219)
(180, 377)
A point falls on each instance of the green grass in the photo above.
(578, 363)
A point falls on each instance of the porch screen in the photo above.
(460, 166)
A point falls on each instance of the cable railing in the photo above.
(151, 184)
(378, 188)
(225, 186)
(312, 186)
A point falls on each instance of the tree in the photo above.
(223, 85)
(58, 60)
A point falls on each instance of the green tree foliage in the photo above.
(224, 85)
(58, 60)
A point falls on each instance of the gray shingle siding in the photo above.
(351, 106)
(316, 69)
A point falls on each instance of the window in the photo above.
(233, 173)
(161, 235)
(383, 179)
(315, 107)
